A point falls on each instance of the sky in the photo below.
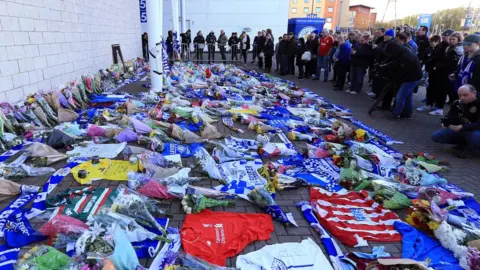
(412, 7)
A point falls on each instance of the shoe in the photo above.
(393, 117)
(406, 117)
(348, 91)
(253, 62)
(353, 93)
(337, 89)
(300, 78)
(425, 108)
(332, 80)
(324, 81)
(282, 74)
(438, 112)
(464, 154)
(315, 79)
(370, 93)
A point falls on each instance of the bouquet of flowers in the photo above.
(197, 203)
(44, 258)
(262, 198)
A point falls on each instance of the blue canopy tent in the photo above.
(304, 26)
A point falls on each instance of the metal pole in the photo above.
(340, 15)
(184, 16)
(155, 26)
(468, 13)
(396, 23)
(175, 16)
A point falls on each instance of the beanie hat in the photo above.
(447, 32)
(390, 32)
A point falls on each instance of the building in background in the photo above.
(363, 17)
(327, 9)
(230, 16)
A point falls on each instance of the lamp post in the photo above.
(184, 16)
(340, 15)
(154, 26)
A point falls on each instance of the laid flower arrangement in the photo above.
(197, 203)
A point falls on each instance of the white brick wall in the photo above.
(45, 43)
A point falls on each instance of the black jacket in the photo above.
(379, 40)
(283, 47)
(199, 39)
(423, 43)
(405, 66)
(247, 45)
(233, 41)
(292, 47)
(211, 38)
(449, 62)
(269, 49)
(301, 49)
(261, 43)
(312, 46)
(363, 56)
(467, 115)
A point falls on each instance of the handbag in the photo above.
(261, 55)
(307, 56)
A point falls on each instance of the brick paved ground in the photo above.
(414, 133)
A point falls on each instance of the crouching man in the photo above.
(461, 125)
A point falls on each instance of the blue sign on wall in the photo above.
(303, 27)
(425, 20)
(143, 11)
(468, 22)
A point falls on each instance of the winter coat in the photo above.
(292, 47)
(312, 46)
(344, 53)
(211, 39)
(233, 41)
(448, 63)
(283, 47)
(363, 56)
(301, 49)
(268, 49)
(423, 44)
(261, 44)
(222, 40)
(405, 65)
(245, 46)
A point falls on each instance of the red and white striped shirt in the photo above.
(354, 217)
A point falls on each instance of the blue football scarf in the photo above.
(237, 187)
(19, 232)
(241, 145)
(159, 262)
(228, 122)
(39, 205)
(8, 257)
(11, 152)
(14, 208)
(184, 150)
(382, 136)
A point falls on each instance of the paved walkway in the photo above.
(414, 133)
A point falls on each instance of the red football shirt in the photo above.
(326, 43)
(215, 236)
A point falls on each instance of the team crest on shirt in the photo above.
(473, 109)
(278, 265)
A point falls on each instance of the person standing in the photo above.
(146, 55)
(169, 43)
(422, 42)
(362, 57)
(268, 53)
(431, 57)
(260, 47)
(468, 71)
(244, 45)
(222, 42)
(199, 43)
(255, 42)
(406, 71)
(233, 43)
(291, 51)
(343, 59)
(283, 51)
(277, 55)
(452, 55)
(412, 43)
(211, 40)
(323, 59)
(312, 46)
(300, 63)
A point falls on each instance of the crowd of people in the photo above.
(397, 61)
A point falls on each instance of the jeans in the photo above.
(244, 54)
(301, 72)
(268, 62)
(283, 64)
(357, 74)
(222, 53)
(404, 99)
(146, 55)
(235, 53)
(199, 55)
(291, 64)
(470, 139)
(277, 60)
(323, 62)
(342, 69)
(211, 53)
(260, 61)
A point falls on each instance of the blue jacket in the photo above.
(414, 45)
(344, 55)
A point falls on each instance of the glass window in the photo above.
(305, 10)
(294, 1)
(307, 1)
(329, 20)
(318, 9)
(294, 10)
(354, 13)
(330, 9)
(331, 1)
(319, 1)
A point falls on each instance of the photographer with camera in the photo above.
(404, 70)
(461, 125)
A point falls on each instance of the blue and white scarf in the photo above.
(466, 66)
(8, 257)
(382, 136)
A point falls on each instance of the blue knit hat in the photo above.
(390, 32)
